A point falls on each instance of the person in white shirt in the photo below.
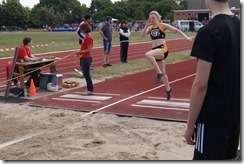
(79, 34)
(124, 33)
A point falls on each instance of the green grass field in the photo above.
(61, 41)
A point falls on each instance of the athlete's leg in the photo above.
(152, 55)
(165, 77)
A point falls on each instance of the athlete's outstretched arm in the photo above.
(173, 29)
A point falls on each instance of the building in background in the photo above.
(200, 4)
(197, 10)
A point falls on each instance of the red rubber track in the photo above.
(123, 96)
(127, 91)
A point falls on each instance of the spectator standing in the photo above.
(79, 34)
(124, 33)
(107, 33)
(214, 115)
(100, 25)
(85, 57)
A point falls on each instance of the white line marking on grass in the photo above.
(19, 140)
(75, 100)
(136, 95)
(158, 107)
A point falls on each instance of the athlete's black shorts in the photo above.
(164, 49)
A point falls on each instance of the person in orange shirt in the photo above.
(85, 57)
(24, 55)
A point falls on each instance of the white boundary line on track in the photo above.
(158, 107)
(105, 94)
(19, 140)
(174, 99)
(184, 105)
(75, 100)
(90, 97)
(136, 95)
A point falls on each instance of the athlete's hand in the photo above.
(148, 22)
(189, 39)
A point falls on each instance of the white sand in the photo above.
(67, 135)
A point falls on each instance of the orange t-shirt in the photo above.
(23, 51)
(88, 41)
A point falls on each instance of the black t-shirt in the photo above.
(218, 42)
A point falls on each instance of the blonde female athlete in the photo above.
(159, 52)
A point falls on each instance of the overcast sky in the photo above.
(31, 3)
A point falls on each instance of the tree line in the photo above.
(60, 12)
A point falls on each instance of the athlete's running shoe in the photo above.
(159, 76)
(169, 93)
(109, 65)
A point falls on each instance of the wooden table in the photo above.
(34, 65)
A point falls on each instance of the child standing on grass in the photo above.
(85, 57)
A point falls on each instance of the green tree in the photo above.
(58, 12)
(99, 5)
(40, 16)
(166, 8)
(77, 12)
(183, 4)
(139, 15)
(14, 14)
(1, 15)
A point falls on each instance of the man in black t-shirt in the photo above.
(214, 113)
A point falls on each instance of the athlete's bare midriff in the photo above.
(157, 42)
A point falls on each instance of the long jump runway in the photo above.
(133, 95)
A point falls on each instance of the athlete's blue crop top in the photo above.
(156, 33)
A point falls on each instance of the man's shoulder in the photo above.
(22, 48)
